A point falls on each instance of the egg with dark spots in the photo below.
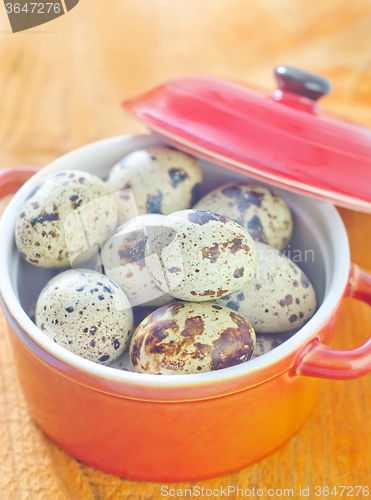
(162, 180)
(76, 319)
(279, 298)
(258, 209)
(198, 256)
(191, 337)
(64, 219)
(122, 259)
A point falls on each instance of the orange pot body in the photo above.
(163, 440)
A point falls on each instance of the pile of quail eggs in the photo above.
(154, 280)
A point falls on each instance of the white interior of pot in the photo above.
(318, 231)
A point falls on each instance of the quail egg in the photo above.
(279, 298)
(63, 218)
(122, 259)
(86, 313)
(263, 213)
(162, 180)
(198, 256)
(191, 337)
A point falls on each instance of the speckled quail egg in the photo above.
(162, 179)
(122, 259)
(86, 313)
(263, 213)
(191, 337)
(197, 255)
(65, 217)
(279, 298)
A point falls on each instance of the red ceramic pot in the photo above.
(181, 427)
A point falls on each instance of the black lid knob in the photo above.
(302, 83)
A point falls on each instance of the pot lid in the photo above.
(278, 138)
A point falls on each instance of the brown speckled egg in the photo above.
(198, 256)
(122, 259)
(64, 218)
(162, 179)
(279, 298)
(263, 213)
(190, 337)
(86, 313)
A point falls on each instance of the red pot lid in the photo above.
(278, 138)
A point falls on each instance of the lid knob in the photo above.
(299, 82)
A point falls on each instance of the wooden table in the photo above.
(60, 85)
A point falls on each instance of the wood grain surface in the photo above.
(60, 86)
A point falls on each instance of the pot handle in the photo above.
(319, 360)
(11, 179)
